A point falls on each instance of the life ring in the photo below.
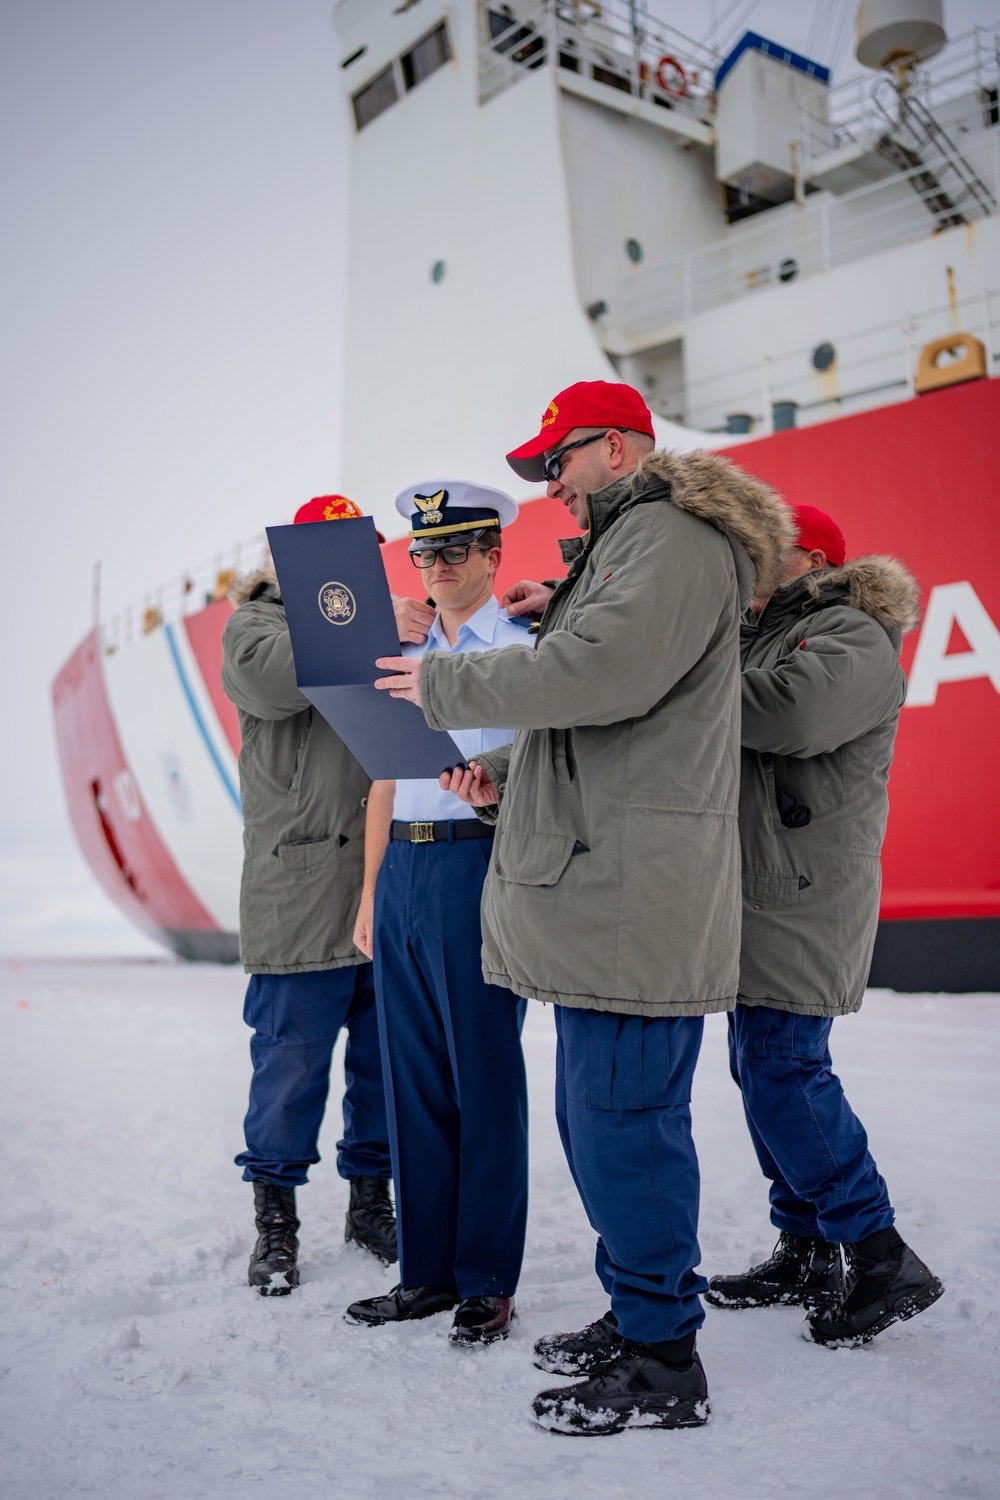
(671, 77)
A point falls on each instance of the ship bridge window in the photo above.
(375, 98)
(520, 43)
(429, 54)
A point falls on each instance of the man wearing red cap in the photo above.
(822, 690)
(614, 887)
(303, 797)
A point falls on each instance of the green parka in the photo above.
(614, 881)
(822, 690)
(303, 801)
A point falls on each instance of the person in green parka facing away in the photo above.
(822, 691)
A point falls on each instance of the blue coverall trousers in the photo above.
(296, 1019)
(623, 1105)
(808, 1140)
(454, 1073)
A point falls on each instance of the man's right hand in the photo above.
(414, 619)
(470, 784)
(527, 598)
(364, 923)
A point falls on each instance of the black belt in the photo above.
(441, 833)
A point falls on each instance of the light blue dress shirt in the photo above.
(487, 630)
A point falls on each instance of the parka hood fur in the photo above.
(880, 586)
(242, 590)
(715, 490)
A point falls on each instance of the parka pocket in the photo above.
(526, 858)
(309, 854)
(773, 892)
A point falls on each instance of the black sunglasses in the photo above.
(552, 466)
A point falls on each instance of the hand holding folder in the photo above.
(340, 618)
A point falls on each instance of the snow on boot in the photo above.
(591, 1351)
(639, 1390)
(886, 1284)
(482, 1320)
(802, 1271)
(273, 1269)
(371, 1220)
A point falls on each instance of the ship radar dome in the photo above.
(897, 32)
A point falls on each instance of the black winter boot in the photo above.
(591, 1351)
(886, 1284)
(273, 1269)
(638, 1390)
(802, 1271)
(371, 1220)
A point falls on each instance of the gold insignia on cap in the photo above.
(431, 505)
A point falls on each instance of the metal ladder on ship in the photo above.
(948, 204)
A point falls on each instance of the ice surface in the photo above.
(135, 1363)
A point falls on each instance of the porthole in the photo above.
(823, 356)
(788, 269)
(634, 251)
(438, 270)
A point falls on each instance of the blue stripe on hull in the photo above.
(199, 720)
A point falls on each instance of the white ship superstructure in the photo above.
(558, 191)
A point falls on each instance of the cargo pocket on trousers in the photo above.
(525, 858)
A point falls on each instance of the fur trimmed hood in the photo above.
(710, 487)
(880, 586)
(243, 589)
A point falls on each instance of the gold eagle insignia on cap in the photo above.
(430, 507)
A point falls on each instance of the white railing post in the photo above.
(987, 316)
(765, 384)
(908, 330)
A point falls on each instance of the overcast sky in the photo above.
(174, 181)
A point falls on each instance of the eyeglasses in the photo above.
(552, 467)
(453, 555)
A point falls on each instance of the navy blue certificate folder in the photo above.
(340, 618)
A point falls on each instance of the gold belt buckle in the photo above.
(421, 833)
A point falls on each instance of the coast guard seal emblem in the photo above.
(337, 603)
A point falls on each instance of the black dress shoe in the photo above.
(482, 1320)
(403, 1304)
(886, 1284)
(591, 1351)
(638, 1391)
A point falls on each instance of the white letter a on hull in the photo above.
(953, 604)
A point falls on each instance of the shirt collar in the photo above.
(482, 625)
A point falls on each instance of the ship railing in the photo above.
(169, 602)
(615, 43)
(870, 366)
(793, 240)
(958, 86)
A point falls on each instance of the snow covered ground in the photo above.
(135, 1364)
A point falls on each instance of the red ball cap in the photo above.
(818, 530)
(330, 508)
(589, 403)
